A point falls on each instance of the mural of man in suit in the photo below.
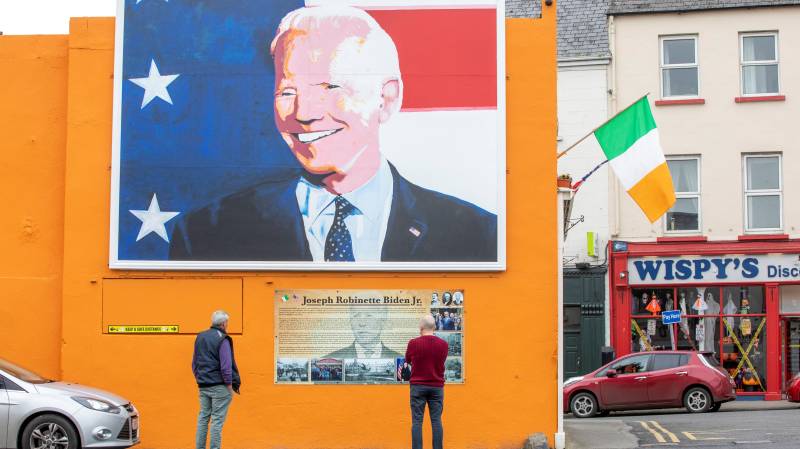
(367, 325)
(337, 80)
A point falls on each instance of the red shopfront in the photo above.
(738, 299)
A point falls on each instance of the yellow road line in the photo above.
(667, 432)
(657, 435)
(689, 435)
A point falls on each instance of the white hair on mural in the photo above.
(368, 53)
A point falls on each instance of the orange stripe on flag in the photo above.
(654, 193)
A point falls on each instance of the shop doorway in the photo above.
(790, 329)
(584, 320)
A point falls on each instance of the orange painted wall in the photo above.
(510, 363)
(33, 107)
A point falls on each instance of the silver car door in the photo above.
(4, 405)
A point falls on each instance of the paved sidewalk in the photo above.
(599, 434)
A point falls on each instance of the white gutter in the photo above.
(560, 438)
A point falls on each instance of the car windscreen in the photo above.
(21, 373)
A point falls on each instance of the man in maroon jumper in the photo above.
(426, 354)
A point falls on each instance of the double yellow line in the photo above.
(656, 430)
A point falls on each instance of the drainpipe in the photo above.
(560, 438)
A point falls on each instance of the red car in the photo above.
(647, 380)
(793, 391)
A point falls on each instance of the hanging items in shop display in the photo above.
(654, 306)
(651, 327)
(644, 299)
(745, 327)
(700, 335)
(730, 309)
(744, 309)
(699, 303)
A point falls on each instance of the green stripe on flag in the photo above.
(616, 136)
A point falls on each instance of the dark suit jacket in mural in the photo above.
(263, 223)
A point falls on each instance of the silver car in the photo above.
(38, 413)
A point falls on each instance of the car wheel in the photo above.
(583, 405)
(697, 400)
(715, 407)
(49, 432)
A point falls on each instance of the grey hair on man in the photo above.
(426, 323)
(219, 317)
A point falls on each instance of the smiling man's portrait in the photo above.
(359, 181)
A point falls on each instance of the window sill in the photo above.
(762, 237)
(756, 99)
(679, 102)
(681, 238)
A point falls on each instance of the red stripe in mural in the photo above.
(448, 57)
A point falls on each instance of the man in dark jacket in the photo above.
(217, 376)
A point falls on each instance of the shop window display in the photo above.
(729, 322)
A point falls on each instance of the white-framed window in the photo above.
(759, 63)
(679, 69)
(763, 192)
(684, 216)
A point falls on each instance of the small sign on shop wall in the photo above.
(158, 329)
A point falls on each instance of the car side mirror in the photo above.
(611, 373)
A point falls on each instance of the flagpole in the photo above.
(599, 126)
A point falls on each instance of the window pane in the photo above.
(763, 173)
(642, 297)
(680, 82)
(759, 48)
(666, 361)
(684, 174)
(743, 300)
(684, 215)
(746, 331)
(764, 212)
(650, 334)
(679, 51)
(760, 79)
(572, 318)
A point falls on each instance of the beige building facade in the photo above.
(724, 86)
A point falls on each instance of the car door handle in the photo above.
(681, 373)
(640, 378)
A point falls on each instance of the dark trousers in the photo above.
(434, 397)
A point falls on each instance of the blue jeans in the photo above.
(434, 397)
(214, 402)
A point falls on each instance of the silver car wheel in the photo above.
(583, 406)
(697, 400)
(49, 435)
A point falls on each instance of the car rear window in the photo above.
(667, 361)
(711, 359)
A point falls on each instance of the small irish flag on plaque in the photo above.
(630, 142)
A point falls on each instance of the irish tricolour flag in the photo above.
(630, 142)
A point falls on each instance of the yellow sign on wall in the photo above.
(159, 329)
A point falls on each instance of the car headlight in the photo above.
(572, 380)
(96, 404)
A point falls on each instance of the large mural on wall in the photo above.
(316, 135)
